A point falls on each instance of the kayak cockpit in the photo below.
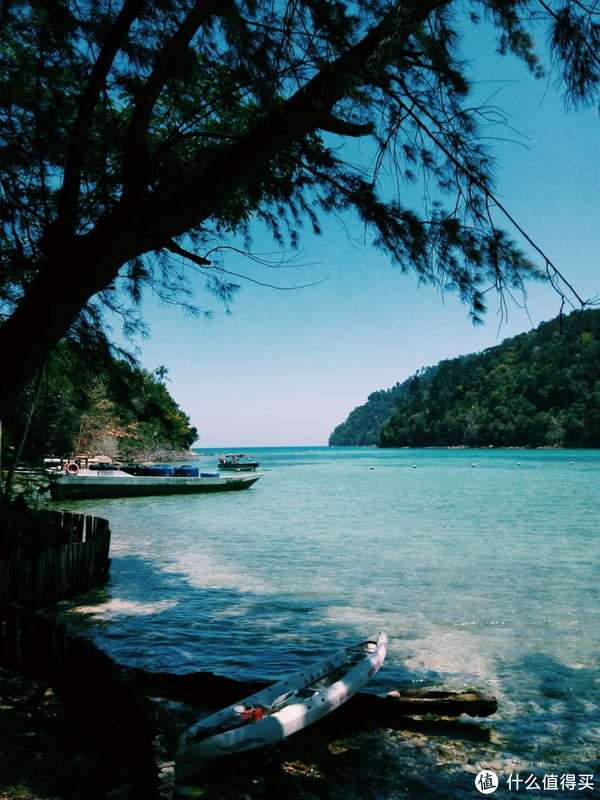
(241, 714)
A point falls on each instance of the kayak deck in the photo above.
(282, 708)
(307, 692)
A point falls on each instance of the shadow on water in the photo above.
(159, 620)
(345, 756)
(189, 628)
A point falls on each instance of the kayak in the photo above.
(282, 709)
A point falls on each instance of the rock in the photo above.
(124, 792)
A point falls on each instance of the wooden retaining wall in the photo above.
(60, 571)
(108, 711)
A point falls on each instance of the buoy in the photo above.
(371, 467)
(414, 466)
(473, 465)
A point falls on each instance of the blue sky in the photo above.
(286, 367)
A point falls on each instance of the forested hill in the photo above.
(90, 402)
(539, 389)
(363, 425)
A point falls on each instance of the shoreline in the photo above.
(114, 729)
(466, 447)
(341, 760)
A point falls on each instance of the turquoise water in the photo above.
(482, 567)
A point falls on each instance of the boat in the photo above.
(238, 462)
(282, 709)
(114, 481)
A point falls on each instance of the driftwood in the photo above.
(205, 688)
(443, 704)
(196, 688)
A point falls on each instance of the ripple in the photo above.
(486, 576)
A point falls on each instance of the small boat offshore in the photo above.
(238, 462)
(114, 481)
(282, 709)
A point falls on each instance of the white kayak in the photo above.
(281, 709)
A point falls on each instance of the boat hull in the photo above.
(86, 488)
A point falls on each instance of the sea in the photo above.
(482, 566)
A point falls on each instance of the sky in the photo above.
(283, 368)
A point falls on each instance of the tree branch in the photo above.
(135, 157)
(173, 247)
(552, 270)
(342, 127)
(68, 199)
(586, 44)
(174, 210)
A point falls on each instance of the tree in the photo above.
(135, 133)
(90, 401)
(533, 390)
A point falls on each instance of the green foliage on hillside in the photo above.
(91, 402)
(363, 425)
(539, 389)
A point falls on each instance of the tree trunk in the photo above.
(52, 302)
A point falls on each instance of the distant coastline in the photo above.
(469, 447)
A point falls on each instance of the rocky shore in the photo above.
(75, 724)
(44, 754)
(164, 456)
(113, 732)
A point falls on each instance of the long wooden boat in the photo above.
(88, 484)
(281, 709)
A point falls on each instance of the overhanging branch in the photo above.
(176, 209)
(117, 35)
(173, 247)
(166, 64)
(344, 128)
(552, 271)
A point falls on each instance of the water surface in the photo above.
(482, 567)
